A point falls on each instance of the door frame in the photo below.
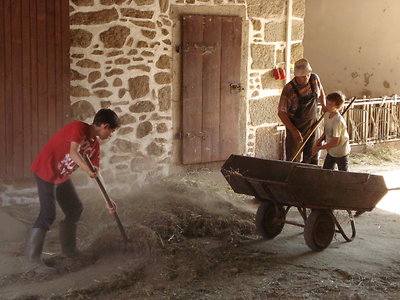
(176, 12)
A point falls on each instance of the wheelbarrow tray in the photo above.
(303, 185)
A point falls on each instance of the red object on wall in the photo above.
(279, 74)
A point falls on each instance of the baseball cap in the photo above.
(302, 67)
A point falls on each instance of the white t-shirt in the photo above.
(336, 127)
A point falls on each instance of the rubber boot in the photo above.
(34, 249)
(68, 239)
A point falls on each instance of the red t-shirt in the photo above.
(54, 164)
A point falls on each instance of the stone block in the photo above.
(150, 34)
(125, 130)
(297, 52)
(111, 2)
(127, 119)
(139, 86)
(147, 24)
(80, 38)
(88, 63)
(144, 68)
(138, 14)
(164, 4)
(122, 61)
(144, 2)
(79, 91)
(164, 62)
(115, 37)
(256, 24)
(94, 17)
(155, 149)
(164, 98)
(299, 8)
(275, 31)
(266, 9)
(83, 2)
(162, 127)
(103, 93)
(117, 82)
(142, 106)
(100, 84)
(297, 30)
(115, 53)
(162, 78)
(264, 111)
(82, 110)
(263, 56)
(144, 129)
(268, 143)
(125, 146)
(75, 75)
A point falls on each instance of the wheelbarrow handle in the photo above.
(394, 189)
(315, 128)
(107, 198)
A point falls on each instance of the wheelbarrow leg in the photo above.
(340, 229)
(303, 213)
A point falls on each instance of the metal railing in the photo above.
(374, 120)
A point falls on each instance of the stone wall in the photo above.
(121, 58)
(267, 51)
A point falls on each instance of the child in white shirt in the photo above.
(335, 134)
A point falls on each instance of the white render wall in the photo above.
(354, 45)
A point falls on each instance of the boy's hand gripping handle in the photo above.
(315, 128)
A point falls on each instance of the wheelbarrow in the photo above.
(315, 192)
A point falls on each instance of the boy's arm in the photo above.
(333, 143)
(77, 158)
(321, 138)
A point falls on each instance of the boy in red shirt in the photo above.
(52, 168)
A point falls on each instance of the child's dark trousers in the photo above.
(342, 162)
(66, 197)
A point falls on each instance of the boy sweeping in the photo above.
(335, 133)
(52, 168)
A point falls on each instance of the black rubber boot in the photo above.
(34, 249)
(68, 239)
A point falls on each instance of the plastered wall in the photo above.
(354, 45)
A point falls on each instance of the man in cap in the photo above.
(298, 110)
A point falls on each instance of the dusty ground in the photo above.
(193, 238)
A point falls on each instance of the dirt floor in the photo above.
(192, 237)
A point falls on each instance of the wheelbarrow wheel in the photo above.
(270, 219)
(319, 229)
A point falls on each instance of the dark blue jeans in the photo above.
(66, 197)
(342, 162)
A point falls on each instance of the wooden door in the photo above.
(34, 79)
(211, 59)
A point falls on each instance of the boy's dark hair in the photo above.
(336, 97)
(107, 116)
